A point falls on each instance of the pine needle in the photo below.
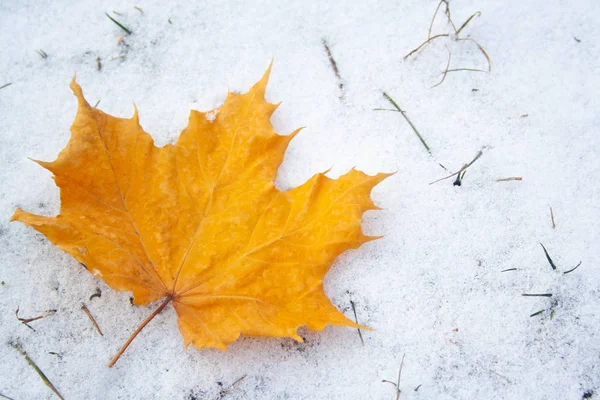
(407, 120)
(548, 257)
(129, 32)
(45, 379)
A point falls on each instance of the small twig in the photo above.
(512, 178)
(446, 70)
(572, 269)
(552, 218)
(509, 269)
(46, 381)
(466, 69)
(5, 85)
(477, 14)
(89, 314)
(129, 32)
(485, 54)
(356, 320)
(223, 392)
(433, 18)
(407, 120)
(397, 384)
(333, 65)
(447, 12)
(400, 377)
(26, 321)
(536, 295)
(460, 170)
(548, 257)
(425, 43)
(537, 313)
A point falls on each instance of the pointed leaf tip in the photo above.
(135, 117)
(78, 92)
(261, 85)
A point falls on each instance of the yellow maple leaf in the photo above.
(200, 224)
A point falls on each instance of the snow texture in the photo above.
(432, 289)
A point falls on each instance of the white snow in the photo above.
(212, 115)
(432, 289)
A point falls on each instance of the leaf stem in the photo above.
(138, 330)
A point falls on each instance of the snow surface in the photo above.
(432, 288)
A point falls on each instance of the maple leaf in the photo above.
(200, 224)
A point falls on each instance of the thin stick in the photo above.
(407, 120)
(356, 320)
(466, 69)
(571, 270)
(512, 178)
(487, 57)
(460, 170)
(477, 14)
(548, 257)
(433, 18)
(138, 330)
(446, 70)
(331, 60)
(26, 321)
(89, 314)
(552, 217)
(399, 377)
(397, 384)
(536, 295)
(426, 42)
(223, 392)
(537, 313)
(447, 12)
(119, 24)
(333, 65)
(45, 379)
